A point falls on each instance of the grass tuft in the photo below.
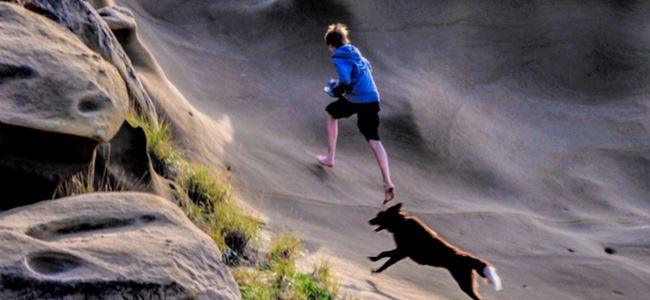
(323, 274)
(86, 182)
(278, 279)
(204, 188)
(212, 206)
(253, 284)
(307, 287)
(284, 248)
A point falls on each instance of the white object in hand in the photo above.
(329, 88)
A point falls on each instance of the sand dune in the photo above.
(518, 130)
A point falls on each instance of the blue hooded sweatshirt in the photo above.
(355, 72)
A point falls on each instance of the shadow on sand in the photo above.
(378, 291)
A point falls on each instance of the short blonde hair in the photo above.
(337, 35)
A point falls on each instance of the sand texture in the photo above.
(518, 130)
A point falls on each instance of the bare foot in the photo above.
(389, 193)
(324, 161)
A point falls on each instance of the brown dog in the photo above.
(417, 241)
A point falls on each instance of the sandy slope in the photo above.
(518, 129)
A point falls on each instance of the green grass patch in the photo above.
(204, 187)
(307, 287)
(214, 209)
(284, 249)
(278, 278)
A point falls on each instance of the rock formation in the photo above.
(197, 134)
(65, 87)
(108, 246)
(58, 100)
(81, 19)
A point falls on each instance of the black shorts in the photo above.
(367, 115)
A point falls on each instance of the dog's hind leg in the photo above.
(476, 263)
(485, 270)
(466, 281)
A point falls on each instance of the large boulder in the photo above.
(58, 100)
(51, 81)
(108, 246)
(80, 18)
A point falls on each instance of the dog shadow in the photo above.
(378, 291)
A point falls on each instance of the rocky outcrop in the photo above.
(108, 246)
(196, 133)
(52, 82)
(81, 19)
(65, 88)
(58, 100)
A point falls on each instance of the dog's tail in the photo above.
(492, 277)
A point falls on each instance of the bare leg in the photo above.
(332, 135)
(382, 161)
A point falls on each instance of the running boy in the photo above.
(357, 94)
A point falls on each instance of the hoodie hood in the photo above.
(348, 52)
(351, 54)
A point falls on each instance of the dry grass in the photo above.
(86, 182)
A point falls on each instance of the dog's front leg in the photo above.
(384, 254)
(395, 257)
